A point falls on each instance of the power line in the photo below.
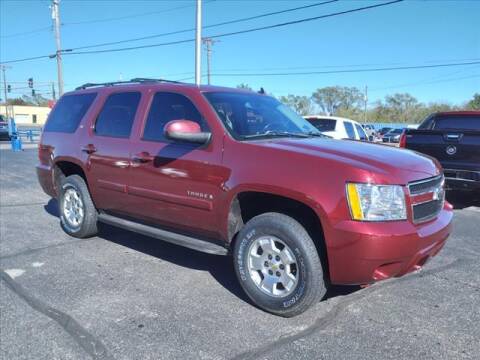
(206, 27)
(471, 76)
(132, 16)
(27, 59)
(350, 70)
(412, 67)
(328, 66)
(27, 32)
(428, 80)
(73, 52)
(33, 31)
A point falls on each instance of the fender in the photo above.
(231, 196)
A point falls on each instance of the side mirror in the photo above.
(186, 130)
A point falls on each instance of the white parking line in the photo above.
(13, 273)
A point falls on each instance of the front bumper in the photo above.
(363, 252)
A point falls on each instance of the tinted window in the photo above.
(457, 122)
(349, 129)
(250, 115)
(360, 132)
(324, 124)
(165, 108)
(68, 113)
(117, 115)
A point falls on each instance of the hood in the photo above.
(375, 158)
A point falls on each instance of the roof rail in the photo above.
(134, 81)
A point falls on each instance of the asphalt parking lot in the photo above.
(125, 296)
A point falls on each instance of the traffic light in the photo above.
(30, 83)
(33, 92)
(9, 88)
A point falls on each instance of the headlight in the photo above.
(369, 202)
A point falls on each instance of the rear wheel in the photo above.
(78, 215)
(278, 266)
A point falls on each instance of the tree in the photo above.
(17, 101)
(36, 100)
(301, 104)
(474, 104)
(401, 107)
(244, 86)
(332, 99)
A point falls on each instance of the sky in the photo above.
(408, 33)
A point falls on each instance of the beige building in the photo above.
(27, 115)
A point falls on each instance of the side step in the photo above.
(174, 238)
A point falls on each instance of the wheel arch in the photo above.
(64, 167)
(250, 202)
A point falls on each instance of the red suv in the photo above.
(229, 171)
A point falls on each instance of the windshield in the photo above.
(396, 131)
(253, 115)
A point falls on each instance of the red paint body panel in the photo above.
(191, 188)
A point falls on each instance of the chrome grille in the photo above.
(427, 210)
(425, 186)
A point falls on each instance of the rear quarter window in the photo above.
(349, 129)
(68, 113)
(457, 123)
(323, 124)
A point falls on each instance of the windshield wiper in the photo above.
(319, 134)
(277, 133)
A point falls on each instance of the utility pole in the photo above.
(366, 102)
(56, 24)
(198, 43)
(209, 42)
(53, 91)
(4, 67)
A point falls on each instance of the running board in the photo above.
(171, 237)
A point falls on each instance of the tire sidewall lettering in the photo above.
(241, 261)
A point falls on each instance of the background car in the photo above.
(453, 138)
(4, 135)
(383, 131)
(338, 127)
(393, 136)
(370, 131)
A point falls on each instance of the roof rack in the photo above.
(134, 81)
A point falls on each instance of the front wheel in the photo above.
(78, 215)
(277, 265)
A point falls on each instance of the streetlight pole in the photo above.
(5, 89)
(198, 43)
(209, 42)
(365, 108)
(56, 20)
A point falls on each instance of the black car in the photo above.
(453, 138)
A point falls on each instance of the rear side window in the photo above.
(323, 124)
(117, 115)
(457, 122)
(361, 132)
(165, 108)
(69, 112)
(349, 129)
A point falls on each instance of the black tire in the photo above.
(310, 287)
(88, 226)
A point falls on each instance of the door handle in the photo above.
(89, 149)
(454, 137)
(143, 157)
